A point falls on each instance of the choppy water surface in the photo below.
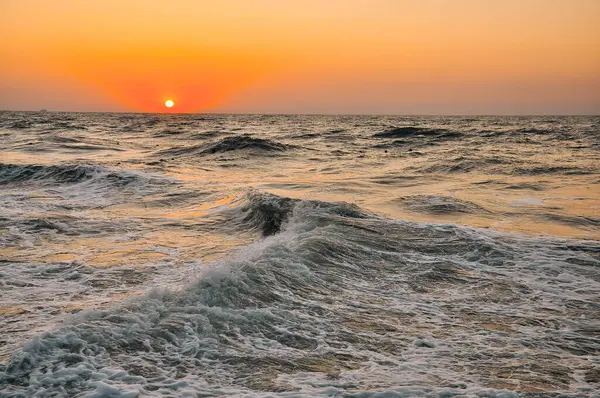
(201, 255)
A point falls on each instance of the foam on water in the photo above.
(339, 300)
(371, 257)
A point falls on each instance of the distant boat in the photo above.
(43, 110)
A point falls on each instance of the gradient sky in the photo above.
(309, 56)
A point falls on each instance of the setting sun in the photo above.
(427, 162)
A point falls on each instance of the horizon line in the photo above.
(321, 114)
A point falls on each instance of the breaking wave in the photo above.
(330, 290)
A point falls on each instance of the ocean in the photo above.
(206, 255)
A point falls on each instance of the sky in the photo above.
(402, 57)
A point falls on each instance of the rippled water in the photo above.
(201, 255)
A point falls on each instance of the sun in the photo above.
(169, 103)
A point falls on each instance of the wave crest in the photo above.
(62, 174)
(269, 213)
(440, 204)
(229, 144)
(412, 131)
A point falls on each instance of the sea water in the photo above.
(263, 255)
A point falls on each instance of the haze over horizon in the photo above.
(264, 56)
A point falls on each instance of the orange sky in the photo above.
(309, 56)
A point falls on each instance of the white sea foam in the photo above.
(179, 285)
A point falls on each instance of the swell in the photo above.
(579, 221)
(440, 204)
(499, 165)
(413, 131)
(548, 170)
(244, 142)
(229, 144)
(20, 125)
(63, 174)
